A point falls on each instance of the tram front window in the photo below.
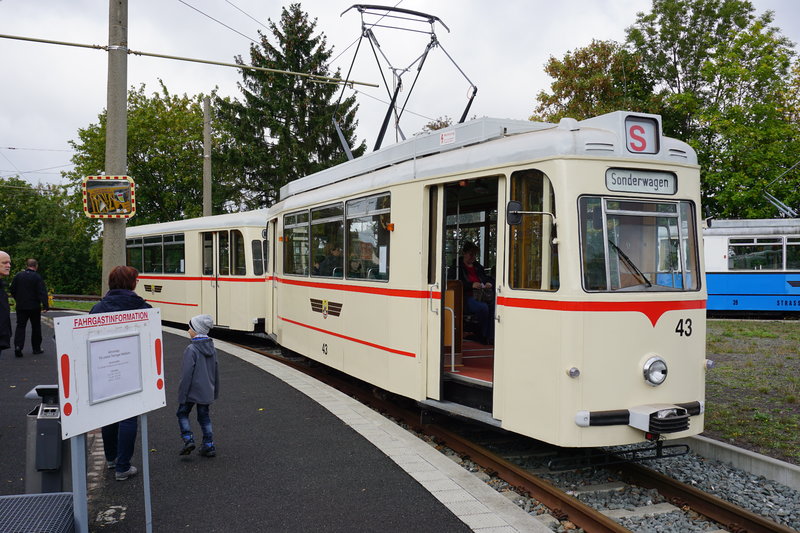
(636, 245)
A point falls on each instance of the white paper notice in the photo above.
(114, 368)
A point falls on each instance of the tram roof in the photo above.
(598, 136)
(753, 226)
(256, 217)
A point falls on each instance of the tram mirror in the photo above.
(513, 215)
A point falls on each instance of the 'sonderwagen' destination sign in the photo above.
(641, 181)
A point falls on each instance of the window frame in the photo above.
(368, 215)
(689, 271)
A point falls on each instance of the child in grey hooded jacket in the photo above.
(199, 385)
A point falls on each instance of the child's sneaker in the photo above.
(122, 476)
(208, 451)
(188, 446)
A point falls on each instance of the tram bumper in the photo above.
(651, 418)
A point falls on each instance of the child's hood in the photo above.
(205, 346)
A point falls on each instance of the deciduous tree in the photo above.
(47, 224)
(165, 156)
(593, 80)
(723, 74)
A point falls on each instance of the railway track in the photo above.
(564, 505)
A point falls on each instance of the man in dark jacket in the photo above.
(5, 310)
(30, 293)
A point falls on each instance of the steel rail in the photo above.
(734, 518)
(563, 505)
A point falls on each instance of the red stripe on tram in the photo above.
(652, 310)
(382, 291)
(352, 339)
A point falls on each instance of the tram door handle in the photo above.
(433, 308)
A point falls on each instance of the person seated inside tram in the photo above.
(332, 265)
(478, 291)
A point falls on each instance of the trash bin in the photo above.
(47, 457)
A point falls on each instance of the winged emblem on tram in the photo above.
(325, 307)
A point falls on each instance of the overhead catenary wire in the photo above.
(311, 77)
(220, 22)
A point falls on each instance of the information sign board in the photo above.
(110, 367)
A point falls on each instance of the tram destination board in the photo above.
(109, 197)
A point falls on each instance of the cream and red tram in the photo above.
(211, 265)
(590, 231)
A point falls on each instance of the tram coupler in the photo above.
(602, 457)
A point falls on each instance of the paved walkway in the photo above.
(293, 455)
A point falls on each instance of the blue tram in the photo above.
(753, 266)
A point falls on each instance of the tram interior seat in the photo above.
(468, 320)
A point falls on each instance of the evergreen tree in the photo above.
(283, 128)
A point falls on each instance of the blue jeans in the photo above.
(203, 418)
(484, 313)
(119, 440)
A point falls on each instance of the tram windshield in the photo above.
(638, 245)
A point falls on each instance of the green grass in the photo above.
(752, 392)
(70, 304)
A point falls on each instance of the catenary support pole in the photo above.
(116, 128)
(206, 156)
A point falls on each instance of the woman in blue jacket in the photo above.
(119, 438)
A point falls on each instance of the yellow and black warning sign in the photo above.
(109, 197)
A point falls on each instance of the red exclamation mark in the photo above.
(160, 381)
(67, 409)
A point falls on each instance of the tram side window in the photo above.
(258, 258)
(295, 244)
(133, 254)
(533, 259)
(762, 253)
(174, 254)
(327, 241)
(792, 253)
(224, 254)
(367, 229)
(238, 262)
(153, 255)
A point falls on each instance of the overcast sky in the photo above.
(48, 92)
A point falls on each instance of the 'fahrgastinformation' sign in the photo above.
(109, 197)
(110, 367)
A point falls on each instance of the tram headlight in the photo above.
(655, 371)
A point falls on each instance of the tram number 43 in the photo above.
(684, 327)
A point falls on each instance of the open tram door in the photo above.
(215, 297)
(270, 320)
(462, 326)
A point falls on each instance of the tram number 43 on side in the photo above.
(684, 327)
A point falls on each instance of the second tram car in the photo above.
(589, 231)
(212, 265)
(753, 267)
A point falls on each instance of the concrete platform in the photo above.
(293, 455)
